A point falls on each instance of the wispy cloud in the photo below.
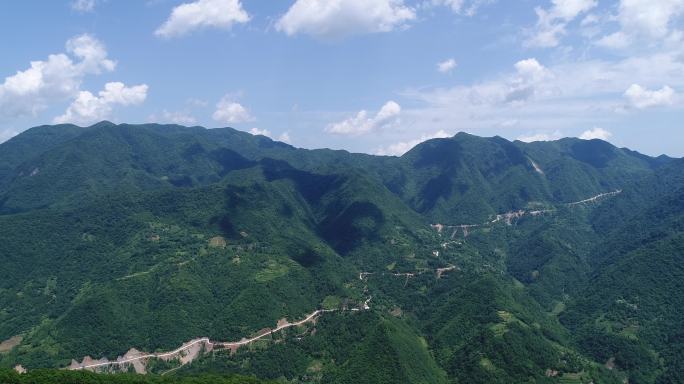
(552, 22)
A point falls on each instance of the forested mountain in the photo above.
(467, 260)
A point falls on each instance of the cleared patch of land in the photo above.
(10, 343)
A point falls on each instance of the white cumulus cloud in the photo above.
(92, 53)
(595, 133)
(530, 69)
(56, 79)
(203, 14)
(231, 112)
(398, 149)
(641, 97)
(335, 19)
(446, 66)
(89, 108)
(362, 123)
(524, 86)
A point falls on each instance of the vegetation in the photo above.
(122, 236)
(67, 377)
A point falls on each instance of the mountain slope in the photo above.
(146, 237)
(631, 313)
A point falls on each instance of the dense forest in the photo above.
(46, 376)
(467, 260)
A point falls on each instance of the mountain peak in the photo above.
(103, 124)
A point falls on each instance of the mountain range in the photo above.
(466, 260)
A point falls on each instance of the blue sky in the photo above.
(374, 76)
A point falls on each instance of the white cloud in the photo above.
(88, 108)
(530, 68)
(595, 133)
(231, 112)
(363, 124)
(569, 9)
(203, 14)
(575, 92)
(588, 92)
(118, 93)
(335, 19)
(285, 137)
(552, 22)
(644, 19)
(584, 87)
(92, 53)
(641, 97)
(530, 80)
(446, 66)
(649, 17)
(83, 5)
(56, 79)
(617, 40)
(523, 86)
(398, 149)
(262, 132)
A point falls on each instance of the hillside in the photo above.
(466, 260)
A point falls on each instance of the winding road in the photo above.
(207, 341)
(508, 217)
